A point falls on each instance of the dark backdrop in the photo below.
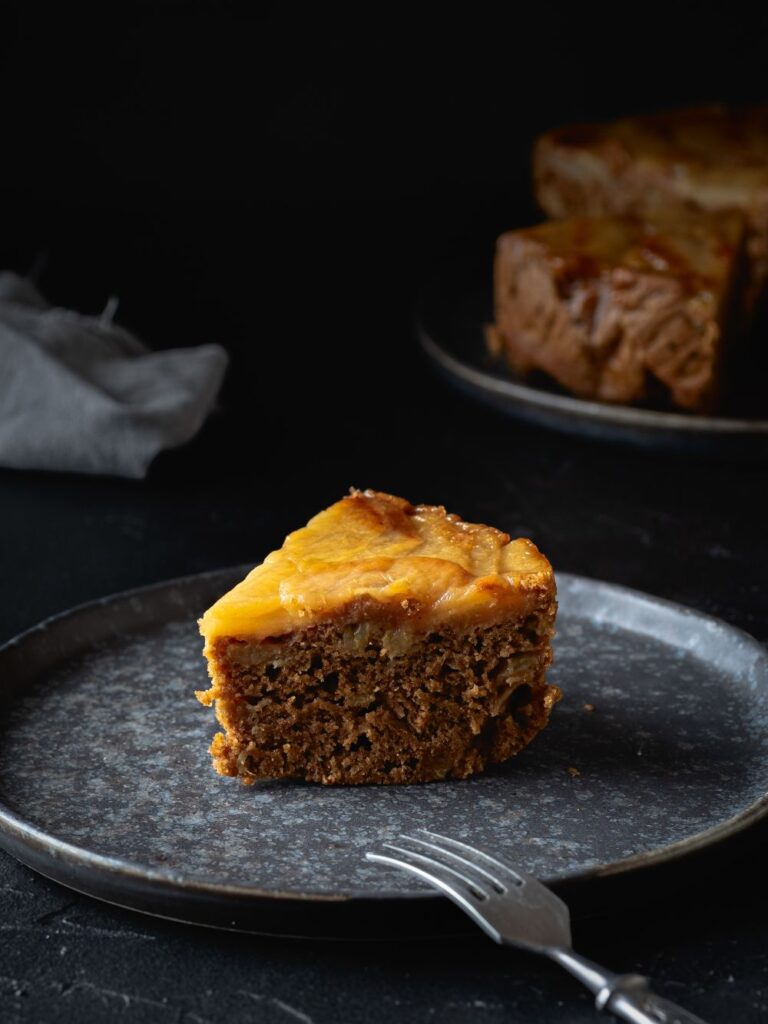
(278, 175)
(279, 180)
(262, 103)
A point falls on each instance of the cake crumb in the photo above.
(589, 707)
(574, 772)
(345, 686)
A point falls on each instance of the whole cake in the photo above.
(383, 643)
(712, 158)
(623, 309)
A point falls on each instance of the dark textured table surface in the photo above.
(282, 446)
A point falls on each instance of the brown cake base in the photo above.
(361, 703)
(622, 310)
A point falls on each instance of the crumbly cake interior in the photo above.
(623, 309)
(383, 642)
(335, 703)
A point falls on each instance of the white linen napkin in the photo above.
(80, 394)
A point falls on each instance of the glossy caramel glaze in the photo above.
(696, 249)
(711, 158)
(375, 555)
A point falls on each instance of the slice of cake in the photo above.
(713, 158)
(384, 642)
(622, 309)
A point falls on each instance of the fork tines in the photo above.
(450, 864)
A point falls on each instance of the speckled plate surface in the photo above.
(106, 784)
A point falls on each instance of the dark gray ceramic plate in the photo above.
(106, 784)
(456, 305)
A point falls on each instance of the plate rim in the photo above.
(18, 834)
(522, 396)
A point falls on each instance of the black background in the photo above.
(276, 176)
(279, 179)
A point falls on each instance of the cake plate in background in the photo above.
(456, 305)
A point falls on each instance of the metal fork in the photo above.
(516, 909)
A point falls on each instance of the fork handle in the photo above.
(627, 996)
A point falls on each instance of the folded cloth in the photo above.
(79, 393)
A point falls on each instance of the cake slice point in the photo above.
(383, 643)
